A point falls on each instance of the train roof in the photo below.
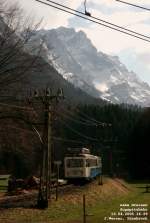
(76, 151)
(82, 155)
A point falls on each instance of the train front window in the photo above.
(74, 163)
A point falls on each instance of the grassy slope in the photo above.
(3, 181)
(101, 201)
(104, 210)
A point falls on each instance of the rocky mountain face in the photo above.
(100, 75)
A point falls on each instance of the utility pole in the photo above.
(84, 209)
(111, 163)
(57, 163)
(48, 144)
(47, 97)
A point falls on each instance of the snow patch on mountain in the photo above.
(102, 87)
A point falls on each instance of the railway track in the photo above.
(28, 198)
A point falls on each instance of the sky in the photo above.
(134, 53)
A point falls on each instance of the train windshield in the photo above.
(74, 163)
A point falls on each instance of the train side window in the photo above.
(91, 162)
(71, 163)
(68, 163)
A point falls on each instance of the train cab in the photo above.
(82, 166)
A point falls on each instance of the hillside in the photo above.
(47, 76)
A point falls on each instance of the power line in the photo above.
(94, 120)
(85, 121)
(77, 121)
(101, 20)
(86, 117)
(81, 118)
(134, 5)
(16, 106)
(81, 121)
(78, 133)
(20, 129)
(67, 140)
(138, 36)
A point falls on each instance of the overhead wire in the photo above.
(77, 132)
(86, 117)
(94, 120)
(87, 120)
(80, 120)
(68, 140)
(16, 106)
(107, 24)
(27, 131)
(134, 5)
(102, 20)
(77, 121)
(20, 129)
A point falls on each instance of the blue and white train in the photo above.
(79, 164)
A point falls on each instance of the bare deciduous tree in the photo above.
(15, 33)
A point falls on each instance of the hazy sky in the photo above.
(134, 53)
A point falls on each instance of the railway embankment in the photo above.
(72, 193)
